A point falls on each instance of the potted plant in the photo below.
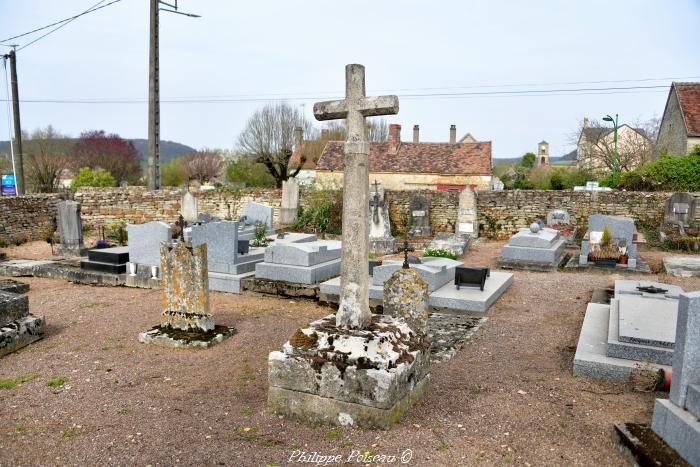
(623, 255)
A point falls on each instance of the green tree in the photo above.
(172, 173)
(528, 160)
(96, 178)
(246, 170)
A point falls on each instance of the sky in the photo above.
(243, 55)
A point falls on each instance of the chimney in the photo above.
(416, 129)
(585, 122)
(453, 134)
(394, 138)
(298, 137)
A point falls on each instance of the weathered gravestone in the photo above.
(18, 328)
(680, 208)
(558, 216)
(406, 296)
(185, 320)
(467, 223)
(677, 419)
(419, 207)
(254, 213)
(380, 239)
(352, 368)
(290, 201)
(70, 229)
(188, 207)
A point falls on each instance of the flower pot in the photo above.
(664, 380)
(622, 260)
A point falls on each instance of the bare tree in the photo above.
(204, 165)
(46, 158)
(596, 145)
(269, 138)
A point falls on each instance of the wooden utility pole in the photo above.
(154, 103)
(19, 166)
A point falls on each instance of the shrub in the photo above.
(117, 232)
(172, 173)
(606, 237)
(260, 234)
(96, 178)
(440, 253)
(246, 170)
(322, 214)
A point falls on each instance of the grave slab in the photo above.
(303, 254)
(647, 320)
(9, 285)
(110, 260)
(436, 272)
(679, 428)
(467, 299)
(230, 283)
(298, 274)
(682, 266)
(631, 351)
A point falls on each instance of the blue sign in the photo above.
(8, 185)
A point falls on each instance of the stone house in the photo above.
(679, 132)
(595, 148)
(416, 165)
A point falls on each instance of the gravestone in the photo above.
(18, 327)
(301, 263)
(258, 213)
(419, 208)
(334, 370)
(290, 201)
(535, 249)
(144, 248)
(680, 207)
(454, 243)
(677, 419)
(558, 216)
(70, 229)
(406, 296)
(622, 230)
(467, 223)
(380, 239)
(223, 247)
(186, 320)
(188, 207)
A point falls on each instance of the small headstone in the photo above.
(258, 213)
(420, 215)
(70, 229)
(188, 207)
(18, 327)
(406, 296)
(558, 216)
(145, 240)
(467, 223)
(680, 207)
(380, 239)
(290, 201)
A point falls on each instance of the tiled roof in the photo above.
(689, 100)
(309, 164)
(435, 158)
(593, 134)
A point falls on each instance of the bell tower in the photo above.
(542, 153)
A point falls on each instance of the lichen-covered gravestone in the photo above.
(18, 328)
(680, 208)
(352, 368)
(185, 320)
(420, 215)
(406, 296)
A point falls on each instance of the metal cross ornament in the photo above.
(376, 204)
(406, 249)
(182, 223)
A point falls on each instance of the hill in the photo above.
(168, 149)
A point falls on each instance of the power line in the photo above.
(59, 24)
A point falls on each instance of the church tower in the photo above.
(542, 154)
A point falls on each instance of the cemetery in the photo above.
(430, 324)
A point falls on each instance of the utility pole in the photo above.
(154, 103)
(19, 166)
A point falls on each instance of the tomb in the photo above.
(419, 210)
(559, 219)
(251, 215)
(678, 230)
(619, 251)
(290, 201)
(18, 328)
(185, 319)
(302, 263)
(636, 328)
(456, 243)
(70, 229)
(144, 253)
(110, 260)
(535, 249)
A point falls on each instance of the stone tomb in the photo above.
(18, 328)
(637, 328)
(419, 210)
(302, 263)
(290, 201)
(623, 232)
(185, 320)
(677, 419)
(456, 243)
(144, 253)
(70, 229)
(534, 248)
(682, 266)
(110, 260)
(680, 208)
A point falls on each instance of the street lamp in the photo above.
(616, 160)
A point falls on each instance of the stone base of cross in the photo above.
(353, 311)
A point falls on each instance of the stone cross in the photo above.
(353, 311)
(376, 204)
(406, 249)
(182, 223)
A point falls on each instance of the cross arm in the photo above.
(330, 110)
(379, 105)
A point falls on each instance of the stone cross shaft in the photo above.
(353, 311)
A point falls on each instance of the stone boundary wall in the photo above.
(444, 207)
(27, 218)
(502, 213)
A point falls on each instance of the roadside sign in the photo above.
(8, 185)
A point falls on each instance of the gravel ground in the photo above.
(508, 397)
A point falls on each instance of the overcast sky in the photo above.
(268, 49)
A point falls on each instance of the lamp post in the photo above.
(616, 160)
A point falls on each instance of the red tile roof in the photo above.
(434, 158)
(689, 100)
(309, 164)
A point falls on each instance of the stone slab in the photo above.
(304, 253)
(679, 428)
(468, 299)
(20, 333)
(12, 307)
(114, 255)
(22, 267)
(591, 359)
(230, 283)
(647, 320)
(293, 237)
(298, 274)
(168, 338)
(630, 287)
(686, 357)
(256, 212)
(99, 266)
(331, 288)
(435, 271)
(641, 266)
(455, 243)
(13, 286)
(145, 240)
(257, 285)
(692, 399)
(682, 266)
(630, 351)
(642, 447)
(514, 257)
(317, 409)
(544, 238)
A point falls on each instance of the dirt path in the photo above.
(508, 397)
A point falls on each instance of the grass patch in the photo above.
(246, 411)
(67, 433)
(11, 383)
(333, 434)
(443, 446)
(56, 382)
(122, 412)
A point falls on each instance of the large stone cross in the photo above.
(353, 311)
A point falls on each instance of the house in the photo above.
(679, 132)
(595, 150)
(416, 165)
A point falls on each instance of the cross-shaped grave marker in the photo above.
(376, 203)
(353, 311)
(406, 249)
